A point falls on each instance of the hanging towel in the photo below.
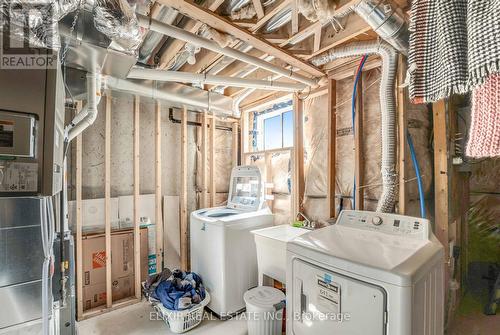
(454, 47)
(484, 136)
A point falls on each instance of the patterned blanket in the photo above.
(454, 47)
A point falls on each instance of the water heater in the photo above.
(31, 131)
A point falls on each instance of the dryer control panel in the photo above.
(391, 224)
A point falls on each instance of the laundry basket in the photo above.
(182, 321)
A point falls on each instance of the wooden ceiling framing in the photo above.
(292, 45)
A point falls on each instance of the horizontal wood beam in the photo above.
(206, 16)
(257, 4)
(275, 9)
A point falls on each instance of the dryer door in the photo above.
(325, 302)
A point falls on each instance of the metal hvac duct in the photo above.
(152, 39)
(387, 21)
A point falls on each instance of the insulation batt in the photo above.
(318, 10)
(315, 146)
(223, 40)
(117, 20)
(244, 13)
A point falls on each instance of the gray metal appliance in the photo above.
(21, 260)
(31, 131)
(31, 178)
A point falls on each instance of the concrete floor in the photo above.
(135, 320)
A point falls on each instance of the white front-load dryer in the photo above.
(223, 249)
(369, 274)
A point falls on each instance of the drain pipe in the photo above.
(187, 77)
(239, 100)
(387, 106)
(150, 91)
(88, 114)
(191, 38)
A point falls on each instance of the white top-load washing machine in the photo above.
(222, 246)
(369, 274)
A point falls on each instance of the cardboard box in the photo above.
(95, 295)
(122, 258)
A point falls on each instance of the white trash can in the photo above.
(264, 310)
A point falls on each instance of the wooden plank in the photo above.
(404, 163)
(270, 151)
(298, 138)
(275, 9)
(355, 26)
(358, 147)
(137, 236)
(107, 199)
(344, 68)
(168, 56)
(206, 16)
(79, 222)
(204, 160)
(243, 137)
(158, 190)
(441, 181)
(183, 197)
(117, 305)
(269, 178)
(213, 191)
(235, 143)
(257, 4)
(332, 146)
(295, 17)
(317, 39)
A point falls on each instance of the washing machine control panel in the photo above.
(391, 224)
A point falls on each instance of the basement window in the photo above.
(275, 127)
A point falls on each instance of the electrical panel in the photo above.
(31, 131)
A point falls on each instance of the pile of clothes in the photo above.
(177, 290)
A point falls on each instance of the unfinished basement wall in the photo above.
(122, 150)
(316, 149)
(223, 162)
(122, 167)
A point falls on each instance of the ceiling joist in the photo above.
(220, 23)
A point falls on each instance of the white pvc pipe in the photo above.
(150, 91)
(191, 38)
(188, 77)
(88, 114)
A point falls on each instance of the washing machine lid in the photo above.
(219, 212)
(393, 254)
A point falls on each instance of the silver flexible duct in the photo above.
(387, 106)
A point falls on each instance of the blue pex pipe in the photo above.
(417, 173)
(353, 112)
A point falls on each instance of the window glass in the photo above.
(272, 133)
(288, 129)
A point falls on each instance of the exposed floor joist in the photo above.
(192, 26)
(206, 16)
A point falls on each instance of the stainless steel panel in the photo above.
(21, 254)
(21, 303)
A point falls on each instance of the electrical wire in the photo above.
(353, 106)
